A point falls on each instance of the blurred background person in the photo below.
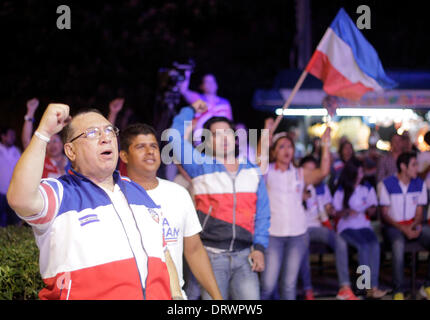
(56, 163)
(9, 156)
(289, 240)
(355, 201)
(318, 208)
(387, 163)
(402, 197)
(345, 153)
(217, 106)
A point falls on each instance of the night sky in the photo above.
(116, 48)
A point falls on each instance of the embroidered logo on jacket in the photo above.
(88, 219)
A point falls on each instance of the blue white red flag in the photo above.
(346, 62)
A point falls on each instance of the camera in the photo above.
(169, 80)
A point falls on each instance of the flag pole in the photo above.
(289, 100)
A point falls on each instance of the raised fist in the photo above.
(54, 119)
(32, 106)
(199, 106)
(325, 138)
(268, 123)
(116, 105)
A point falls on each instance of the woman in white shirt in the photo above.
(288, 240)
(354, 203)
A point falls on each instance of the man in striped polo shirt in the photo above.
(402, 197)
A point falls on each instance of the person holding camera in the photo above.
(216, 105)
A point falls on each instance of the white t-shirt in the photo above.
(363, 198)
(320, 196)
(122, 207)
(8, 159)
(179, 219)
(285, 190)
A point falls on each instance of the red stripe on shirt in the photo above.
(222, 207)
(52, 205)
(118, 280)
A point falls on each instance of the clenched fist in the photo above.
(115, 105)
(32, 105)
(54, 119)
(199, 106)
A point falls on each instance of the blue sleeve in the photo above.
(190, 159)
(262, 218)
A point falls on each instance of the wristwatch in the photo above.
(27, 118)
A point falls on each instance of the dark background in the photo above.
(116, 48)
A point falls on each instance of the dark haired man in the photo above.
(231, 201)
(99, 234)
(402, 197)
(141, 154)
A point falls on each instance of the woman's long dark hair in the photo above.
(347, 179)
(342, 146)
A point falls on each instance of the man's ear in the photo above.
(69, 151)
(124, 156)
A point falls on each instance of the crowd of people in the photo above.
(108, 228)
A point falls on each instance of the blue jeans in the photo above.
(284, 256)
(339, 247)
(234, 276)
(398, 241)
(367, 245)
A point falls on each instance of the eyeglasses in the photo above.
(95, 133)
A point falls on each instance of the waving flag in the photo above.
(346, 62)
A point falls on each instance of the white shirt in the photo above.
(401, 199)
(179, 219)
(320, 196)
(134, 235)
(363, 198)
(285, 190)
(8, 159)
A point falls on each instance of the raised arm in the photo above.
(190, 158)
(317, 175)
(189, 95)
(27, 128)
(115, 107)
(263, 147)
(23, 194)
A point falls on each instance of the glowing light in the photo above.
(374, 113)
(302, 112)
(383, 145)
